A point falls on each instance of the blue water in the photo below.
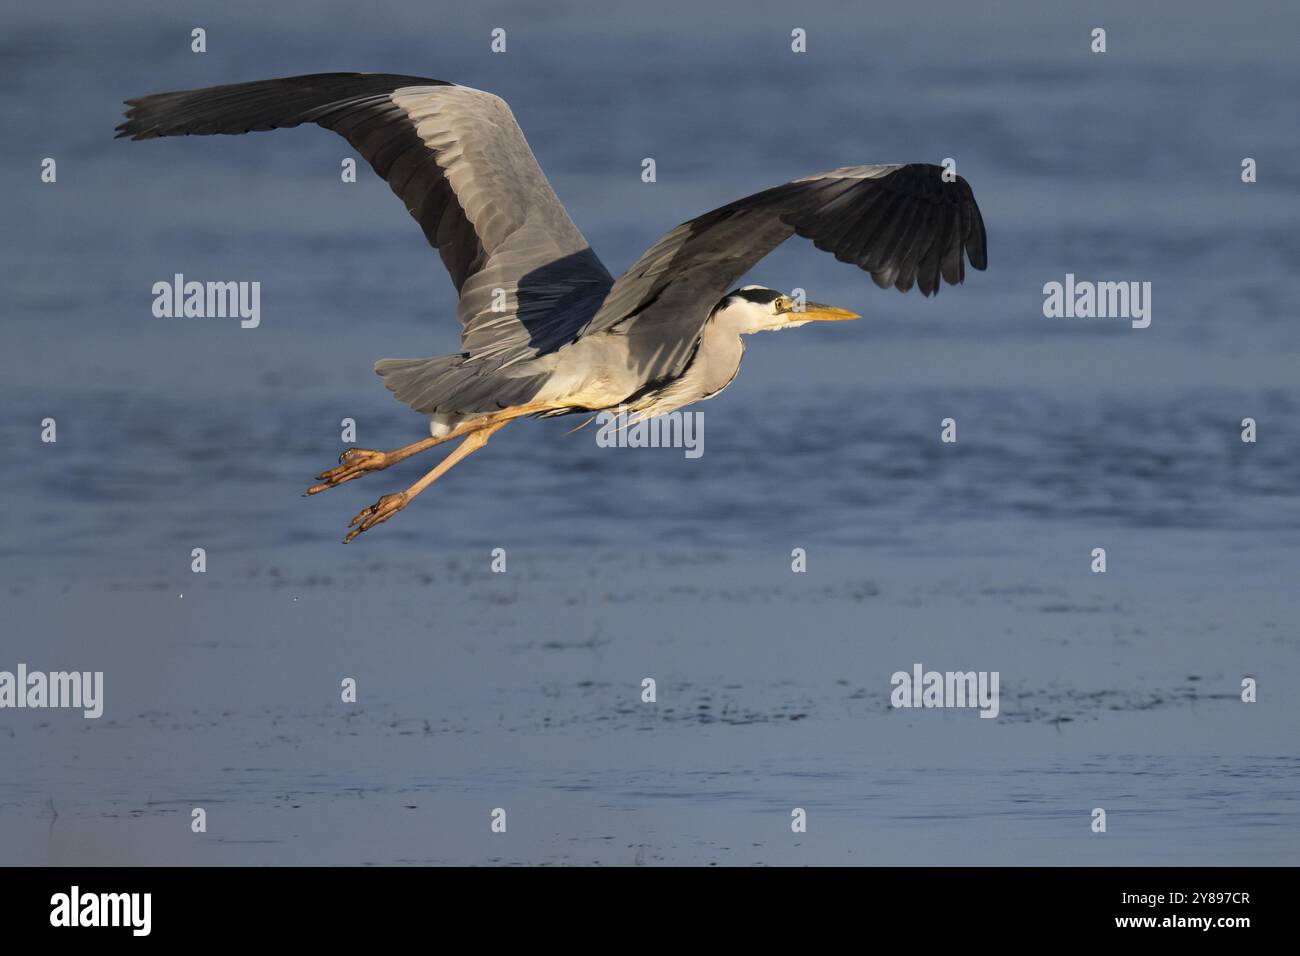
(851, 467)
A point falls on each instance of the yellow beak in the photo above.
(817, 312)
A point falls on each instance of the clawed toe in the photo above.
(353, 463)
(378, 513)
(356, 462)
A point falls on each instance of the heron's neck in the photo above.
(721, 349)
(738, 320)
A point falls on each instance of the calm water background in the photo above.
(1073, 434)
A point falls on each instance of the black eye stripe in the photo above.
(757, 295)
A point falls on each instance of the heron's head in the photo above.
(753, 308)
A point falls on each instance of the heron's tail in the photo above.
(453, 385)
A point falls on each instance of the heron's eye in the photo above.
(782, 304)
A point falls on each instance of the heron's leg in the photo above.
(389, 505)
(356, 462)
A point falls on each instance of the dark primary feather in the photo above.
(324, 98)
(460, 164)
(904, 225)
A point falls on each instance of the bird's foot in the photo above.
(378, 513)
(353, 463)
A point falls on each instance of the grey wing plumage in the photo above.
(528, 281)
(904, 224)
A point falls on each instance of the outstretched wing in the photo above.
(528, 281)
(904, 224)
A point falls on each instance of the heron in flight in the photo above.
(545, 329)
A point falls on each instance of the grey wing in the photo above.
(528, 281)
(902, 223)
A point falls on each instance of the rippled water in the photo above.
(842, 466)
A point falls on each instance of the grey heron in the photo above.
(545, 329)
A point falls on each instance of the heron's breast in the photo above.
(590, 373)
